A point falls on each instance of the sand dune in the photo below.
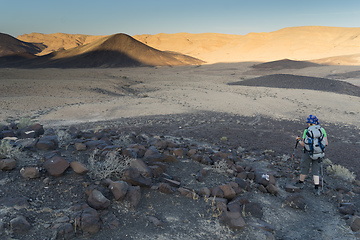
(122, 50)
(298, 43)
(324, 45)
(119, 50)
(10, 46)
(58, 41)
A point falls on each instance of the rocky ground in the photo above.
(181, 176)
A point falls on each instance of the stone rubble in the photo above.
(147, 169)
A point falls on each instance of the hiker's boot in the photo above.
(317, 191)
(300, 184)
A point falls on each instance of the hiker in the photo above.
(311, 155)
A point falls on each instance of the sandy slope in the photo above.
(118, 50)
(12, 46)
(57, 41)
(104, 94)
(332, 45)
(300, 43)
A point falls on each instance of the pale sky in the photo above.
(134, 17)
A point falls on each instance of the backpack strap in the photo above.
(310, 142)
(309, 134)
(321, 138)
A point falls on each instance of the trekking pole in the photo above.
(322, 176)
(293, 155)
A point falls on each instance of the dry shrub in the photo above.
(223, 139)
(220, 166)
(112, 164)
(240, 149)
(341, 172)
(285, 157)
(327, 161)
(123, 140)
(64, 137)
(24, 122)
(7, 150)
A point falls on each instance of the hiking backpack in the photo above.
(315, 142)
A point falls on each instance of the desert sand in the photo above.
(315, 43)
(326, 45)
(58, 41)
(60, 96)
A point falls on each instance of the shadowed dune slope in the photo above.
(319, 44)
(284, 64)
(58, 41)
(10, 46)
(119, 50)
(301, 82)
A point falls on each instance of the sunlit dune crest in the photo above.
(122, 50)
(118, 50)
(58, 41)
(317, 44)
(298, 43)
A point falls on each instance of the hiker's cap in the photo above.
(312, 119)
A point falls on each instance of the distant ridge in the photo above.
(297, 43)
(10, 46)
(119, 50)
(58, 41)
(319, 44)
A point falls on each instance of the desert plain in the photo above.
(58, 96)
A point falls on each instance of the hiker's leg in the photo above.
(302, 177)
(317, 188)
(304, 169)
(316, 180)
(300, 183)
(304, 166)
(315, 170)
